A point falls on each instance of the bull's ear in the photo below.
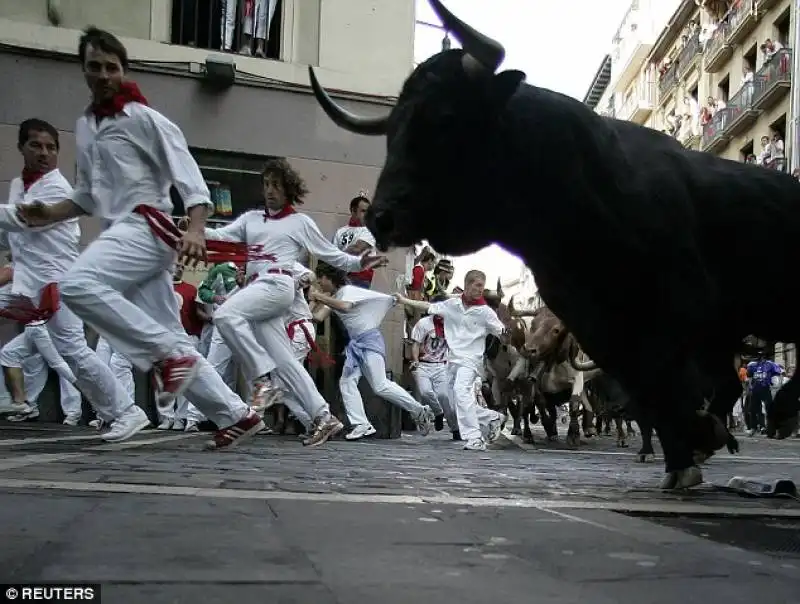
(505, 84)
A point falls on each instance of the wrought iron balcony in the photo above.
(714, 132)
(688, 55)
(740, 110)
(717, 49)
(743, 19)
(773, 79)
(667, 82)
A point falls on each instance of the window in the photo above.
(724, 89)
(779, 126)
(233, 179)
(750, 58)
(227, 25)
(782, 27)
(747, 153)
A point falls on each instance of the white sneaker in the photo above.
(133, 421)
(97, 424)
(71, 421)
(476, 444)
(360, 431)
(495, 427)
(12, 408)
(179, 425)
(165, 424)
(30, 413)
(191, 427)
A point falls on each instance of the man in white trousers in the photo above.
(467, 322)
(128, 157)
(429, 367)
(362, 311)
(253, 321)
(41, 258)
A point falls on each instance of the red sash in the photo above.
(216, 251)
(316, 356)
(23, 311)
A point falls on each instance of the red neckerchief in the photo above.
(29, 177)
(354, 221)
(286, 210)
(438, 325)
(477, 302)
(128, 93)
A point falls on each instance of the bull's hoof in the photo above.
(528, 438)
(646, 457)
(622, 444)
(700, 457)
(553, 438)
(516, 431)
(591, 432)
(574, 440)
(682, 479)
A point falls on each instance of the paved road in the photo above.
(410, 520)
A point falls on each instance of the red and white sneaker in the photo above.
(174, 374)
(229, 437)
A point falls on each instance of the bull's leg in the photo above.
(598, 423)
(646, 454)
(515, 410)
(574, 430)
(629, 428)
(527, 434)
(279, 414)
(588, 419)
(607, 425)
(550, 420)
(621, 438)
(782, 414)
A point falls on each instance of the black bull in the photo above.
(636, 243)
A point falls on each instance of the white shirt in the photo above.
(348, 235)
(465, 329)
(287, 238)
(369, 309)
(776, 150)
(132, 159)
(432, 348)
(299, 309)
(42, 256)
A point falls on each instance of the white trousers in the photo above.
(433, 385)
(471, 416)
(220, 358)
(373, 369)
(121, 367)
(182, 409)
(301, 348)
(230, 8)
(205, 339)
(263, 12)
(142, 324)
(252, 322)
(90, 375)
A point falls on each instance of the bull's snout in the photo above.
(531, 350)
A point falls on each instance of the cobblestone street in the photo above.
(414, 519)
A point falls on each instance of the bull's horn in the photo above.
(371, 126)
(583, 365)
(483, 49)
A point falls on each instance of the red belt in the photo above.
(164, 228)
(271, 271)
(316, 356)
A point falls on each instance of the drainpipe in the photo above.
(794, 155)
(54, 12)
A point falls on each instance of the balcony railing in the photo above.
(717, 48)
(640, 102)
(740, 109)
(689, 130)
(774, 75)
(714, 131)
(667, 81)
(688, 53)
(742, 19)
(245, 27)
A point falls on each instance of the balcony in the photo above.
(667, 82)
(717, 51)
(689, 133)
(741, 113)
(714, 138)
(629, 57)
(773, 80)
(640, 104)
(743, 19)
(763, 6)
(689, 55)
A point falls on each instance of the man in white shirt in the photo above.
(362, 311)
(128, 157)
(41, 258)
(467, 322)
(355, 238)
(253, 321)
(429, 367)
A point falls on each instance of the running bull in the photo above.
(648, 277)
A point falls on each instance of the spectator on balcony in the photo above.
(751, 159)
(258, 16)
(692, 115)
(770, 48)
(705, 116)
(777, 158)
(747, 85)
(766, 152)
